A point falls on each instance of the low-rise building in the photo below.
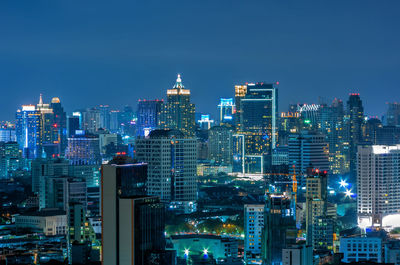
(51, 222)
(359, 248)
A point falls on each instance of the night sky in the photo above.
(116, 52)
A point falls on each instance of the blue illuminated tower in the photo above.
(28, 131)
(148, 115)
(227, 111)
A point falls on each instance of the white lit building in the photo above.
(356, 249)
(378, 182)
(48, 221)
(253, 227)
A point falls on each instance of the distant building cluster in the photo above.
(259, 183)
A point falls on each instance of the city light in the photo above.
(348, 193)
(343, 183)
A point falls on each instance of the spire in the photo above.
(178, 83)
(40, 99)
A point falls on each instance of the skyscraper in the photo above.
(308, 148)
(279, 227)
(355, 116)
(59, 125)
(220, 145)
(172, 173)
(178, 113)
(148, 115)
(227, 111)
(258, 116)
(254, 215)
(28, 130)
(132, 223)
(378, 185)
(91, 120)
(240, 92)
(104, 116)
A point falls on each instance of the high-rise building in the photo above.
(308, 149)
(319, 224)
(378, 186)
(240, 93)
(239, 153)
(28, 131)
(104, 116)
(178, 113)
(279, 227)
(83, 149)
(114, 121)
(91, 121)
(205, 122)
(148, 116)
(59, 126)
(355, 116)
(132, 223)
(227, 111)
(220, 145)
(253, 229)
(393, 114)
(172, 173)
(258, 118)
(10, 159)
(7, 135)
(73, 125)
(387, 135)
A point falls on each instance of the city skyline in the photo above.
(312, 49)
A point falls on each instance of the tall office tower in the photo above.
(289, 123)
(308, 148)
(114, 121)
(238, 151)
(240, 93)
(378, 185)
(59, 125)
(316, 203)
(253, 229)
(220, 144)
(172, 173)
(73, 125)
(28, 131)
(369, 128)
(334, 129)
(227, 111)
(393, 114)
(104, 116)
(178, 112)
(132, 223)
(279, 227)
(148, 116)
(42, 167)
(83, 149)
(205, 123)
(91, 120)
(258, 116)
(46, 126)
(355, 115)
(89, 173)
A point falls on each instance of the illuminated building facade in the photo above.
(178, 113)
(279, 227)
(148, 116)
(227, 111)
(308, 148)
(238, 153)
(205, 122)
(28, 131)
(91, 120)
(378, 186)
(253, 229)
(83, 149)
(172, 170)
(220, 145)
(132, 223)
(104, 116)
(258, 118)
(240, 93)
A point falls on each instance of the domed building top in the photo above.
(55, 100)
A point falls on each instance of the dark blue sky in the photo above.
(115, 52)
